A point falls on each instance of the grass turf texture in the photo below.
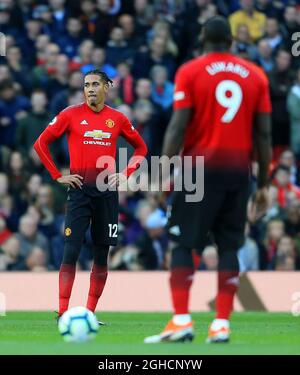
(252, 333)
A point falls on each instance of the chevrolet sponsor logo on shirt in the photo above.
(97, 135)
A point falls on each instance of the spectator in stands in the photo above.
(286, 255)
(248, 254)
(71, 40)
(84, 54)
(292, 219)
(162, 30)
(242, 43)
(5, 233)
(157, 54)
(192, 26)
(32, 187)
(29, 236)
(45, 206)
(60, 78)
(125, 258)
(162, 89)
(126, 82)
(287, 159)
(144, 16)
(156, 116)
(89, 16)
(36, 260)
(6, 202)
(98, 61)
(18, 70)
(31, 126)
(133, 39)
(143, 113)
(293, 107)
(289, 25)
(5, 74)
(287, 191)
(117, 49)
(153, 244)
(275, 230)
(148, 253)
(126, 110)
(57, 27)
(281, 79)
(143, 89)
(28, 41)
(13, 107)
(6, 26)
(113, 97)
(10, 258)
(273, 34)
(285, 263)
(264, 56)
(247, 15)
(105, 23)
(17, 174)
(61, 99)
(42, 73)
(41, 46)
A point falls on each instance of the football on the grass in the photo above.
(78, 325)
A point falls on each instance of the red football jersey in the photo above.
(90, 135)
(224, 92)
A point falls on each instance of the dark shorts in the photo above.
(221, 213)
(101, 212)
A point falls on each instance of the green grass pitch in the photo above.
(252, 333)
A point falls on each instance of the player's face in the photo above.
(95, 89)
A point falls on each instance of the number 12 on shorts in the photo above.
(113, 230)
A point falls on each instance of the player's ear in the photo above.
(106, 87)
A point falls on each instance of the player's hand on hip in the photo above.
(116, 179)
(73, 180)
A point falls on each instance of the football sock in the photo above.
(228, 281)
(182, 272)
(180, 282)
(98, 278)
(66, 280)
(182, 319)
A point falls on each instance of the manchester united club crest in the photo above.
(110, 123)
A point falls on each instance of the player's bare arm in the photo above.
(262, 144)
(172, 144)
(175, 132)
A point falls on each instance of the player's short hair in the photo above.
(103, 76)
(217, 30)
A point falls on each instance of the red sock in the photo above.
(180, 281)
(97, 282)
(227, 286)
(66, 280)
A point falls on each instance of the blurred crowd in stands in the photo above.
(50, 44)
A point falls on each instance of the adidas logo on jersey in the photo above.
(84, 122)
